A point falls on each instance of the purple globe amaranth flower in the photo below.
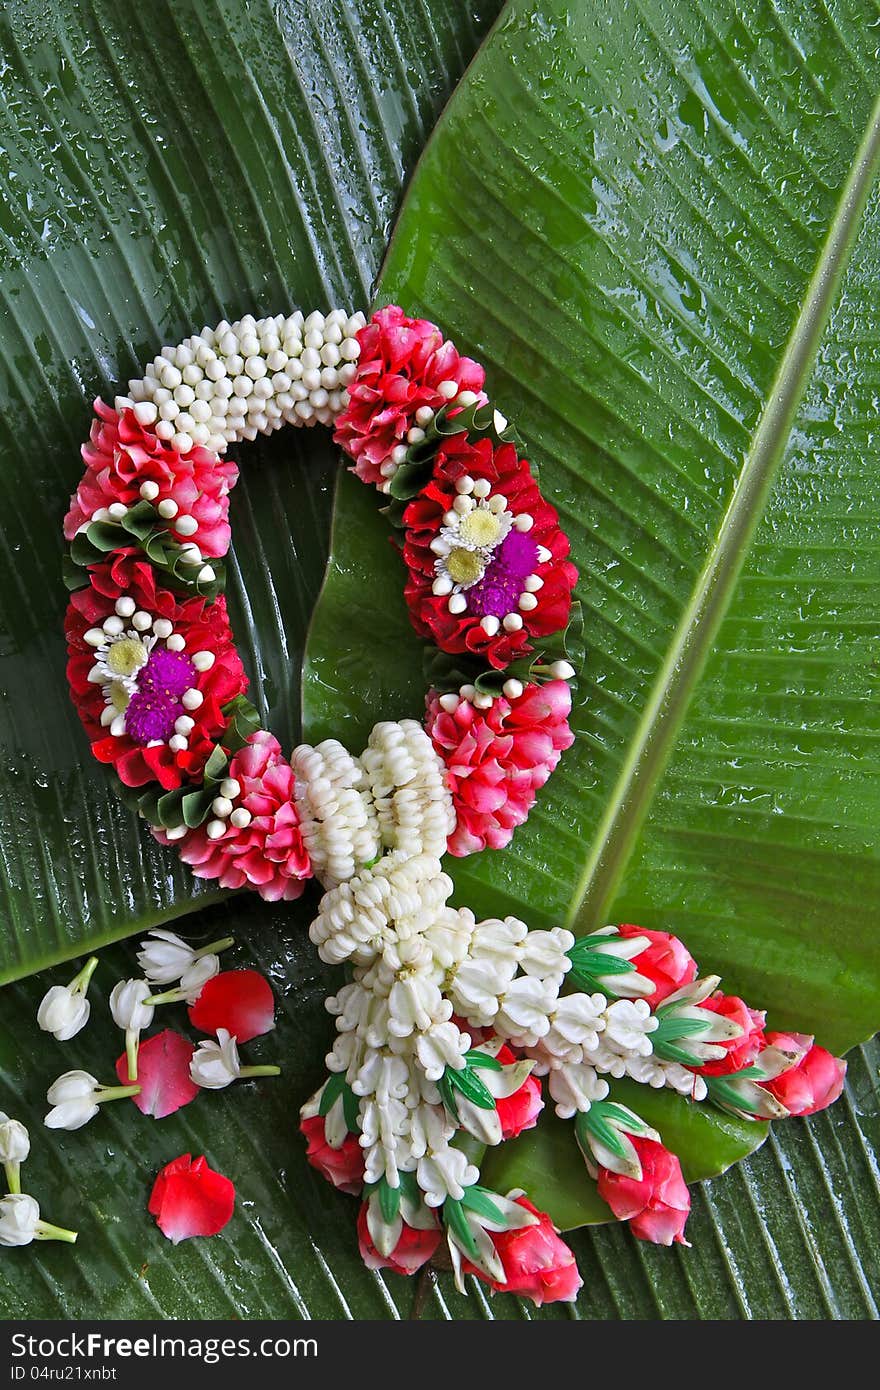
(158, 700)
(497, 593)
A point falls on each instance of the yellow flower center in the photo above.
(126, 656)
(480, 527)
(119, 697)
(464, 566)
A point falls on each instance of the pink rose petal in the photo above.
(191, 1199)
(163, 1074)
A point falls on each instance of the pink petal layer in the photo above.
(163, 1074)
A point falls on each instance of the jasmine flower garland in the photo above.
(448, 1030)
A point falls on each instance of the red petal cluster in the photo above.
(401, 364)
(666, 962)
(204, 625)
(657, 1205)
(241, 1001)
(813, 1083)
(496, 759)
(511, 477)
(741, 1051)
(190, 1199)
(344, 1167)
(268, 854)
(163, 1074)
(122, 454)
(537, 1264)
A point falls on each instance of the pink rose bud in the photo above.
(657, 1205)
(344, 1167)
(537, 1264)
(414, 1248)
(521, 1110)
(814, 1082)
(741, 1051)
(666, 962)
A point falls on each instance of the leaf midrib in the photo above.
(667, 704)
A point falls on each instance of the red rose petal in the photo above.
(190, 1199)
(163, 1074)
(241, 1001)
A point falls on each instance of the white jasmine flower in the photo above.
(15, 1142)
(628, 1023)
(441, 1046)
(574, 1086)
(525, 1008)
(196, 976)
(476, 987)
(15, 1145)
(543, 954)
(129, 1006)
(575, 1024)
(131, 1010)
(20, 1222)
(165, 957)
(64, 1009)
(443, 1173)
(75, 1097)
(217, 1064)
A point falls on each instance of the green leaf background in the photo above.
(633, 248)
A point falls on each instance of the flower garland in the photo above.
(449, 1030)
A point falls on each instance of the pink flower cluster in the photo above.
(122, 456)
(402, 363)
(497, 759)
(268, 854)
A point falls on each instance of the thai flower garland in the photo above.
(446, 1026)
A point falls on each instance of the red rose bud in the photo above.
(521, 1110)
(655, 1205)
(414, 1247)
(813, 1082)
(665, 962)
(537, 1264)
(343, 1166)
(741, 1051)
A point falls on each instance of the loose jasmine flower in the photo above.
(15, 1145)
(65, 1009)
(217, 1064)
(132, 1009)
(76, 1096)
(166, 957)
(20, 1222)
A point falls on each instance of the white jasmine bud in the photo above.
(75, 1097)
(20, 1222)
(15, 1145)
(64, 1009)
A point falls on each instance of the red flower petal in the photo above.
(239, 1000)
(163, 1074)
(190, 1199)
